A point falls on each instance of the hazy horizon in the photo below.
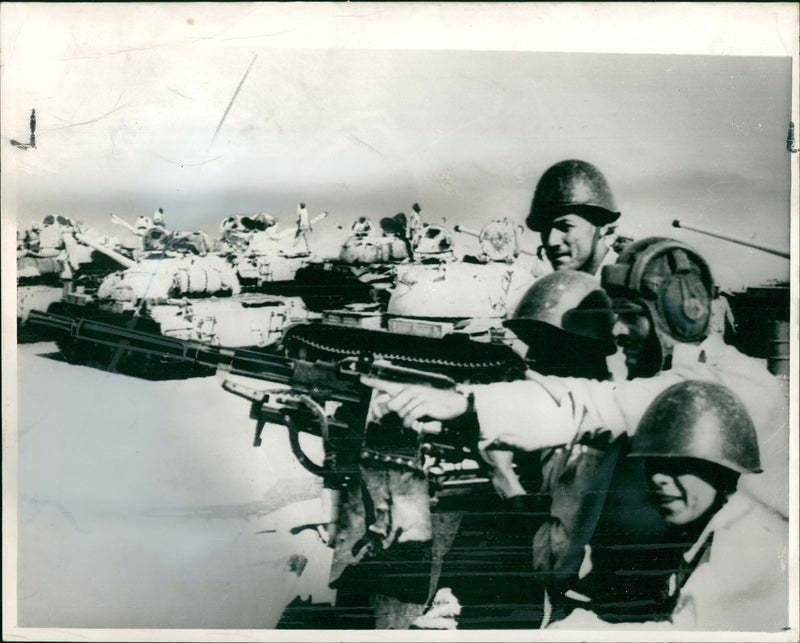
(126, 124)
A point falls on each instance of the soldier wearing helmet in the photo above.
(565, 321)
(575, 213)
(663, 290)
(666, 290)
(696, 440)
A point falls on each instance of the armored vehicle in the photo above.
(259, 254)
(176, 288)
(434, 305)
(362, 273)
(56, 253)
(759, 315)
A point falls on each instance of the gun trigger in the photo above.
(259, 428)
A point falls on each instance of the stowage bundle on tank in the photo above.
(163, 277)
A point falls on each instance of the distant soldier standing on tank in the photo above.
(303, 225)
(575, 213)
(33, 128)
(414, 224)
(158, 218)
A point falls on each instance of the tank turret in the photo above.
(759, 315)
(261, 256)
(363, 271)
(56, 254)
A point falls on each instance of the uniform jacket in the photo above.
(546, 411)
(740, 583)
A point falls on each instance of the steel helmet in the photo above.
(571, 301)
(574, 187)
(701, 420)
(671, 281)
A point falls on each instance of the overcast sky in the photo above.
(129, 97)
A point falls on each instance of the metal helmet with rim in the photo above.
(572, 187)
(570, 301)
(700, 420)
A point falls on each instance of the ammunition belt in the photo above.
(394, 461)
(402, 357)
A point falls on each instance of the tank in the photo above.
(361, 273)
(263, 258)
(54, 254)
(179, 288)
(440, 313)
(759, 321)
(366, 268)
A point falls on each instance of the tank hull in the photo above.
(334, 284)
(249, 321)
(41, 282)
(38, 297)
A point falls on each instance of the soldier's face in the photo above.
(571, 243)
(634, 333)
(681, 496)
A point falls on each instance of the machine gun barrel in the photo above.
(727, 237)
(320, 379)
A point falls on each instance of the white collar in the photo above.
(690, 354)
(737, 506)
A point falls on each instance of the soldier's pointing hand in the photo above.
(413, 403)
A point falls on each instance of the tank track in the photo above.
(81, 352)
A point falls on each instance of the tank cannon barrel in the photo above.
(122, 222)
(733, 239)
(474, 233)
(113, 254)
(465, 230)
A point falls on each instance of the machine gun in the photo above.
(329, 399)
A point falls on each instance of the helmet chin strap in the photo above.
(596, 258)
